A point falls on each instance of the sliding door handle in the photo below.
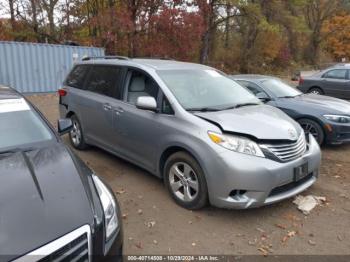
(119, 110)
(107, 107)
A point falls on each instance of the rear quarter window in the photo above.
(103, 80)
(336, 74)
(77, 76)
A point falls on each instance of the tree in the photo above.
(337, 34)
(141, 12)
(5, 32)
(12, 13)
(174, 32)
(49, 7)
(234, 35)
(317, 12)
(213, 16)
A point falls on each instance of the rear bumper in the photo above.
(302, 88)
(62, 110)
(239, 181)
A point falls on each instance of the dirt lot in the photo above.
(155, 225)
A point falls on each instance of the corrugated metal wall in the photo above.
(34, 68)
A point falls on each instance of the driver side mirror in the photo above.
(263, 97)
(146, 103)
(64, 126)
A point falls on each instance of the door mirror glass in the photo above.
(64, 125)
(146, 103)
(263, 96)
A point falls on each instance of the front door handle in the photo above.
(118, 110)
(107, 107)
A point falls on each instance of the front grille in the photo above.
(76, 250)
(74, 246)
(287, 151)
(290, 186)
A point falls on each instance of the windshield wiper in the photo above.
(242, 105)
(214, 109)
(203, 109)
(289, 96)
(16, 150)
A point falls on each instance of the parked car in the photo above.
(326, 118)
(333, 81)
(52, 206)
(207, 136)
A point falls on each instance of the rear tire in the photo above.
(316, 91)
(76, 135)
(185, 180)
(314, 128)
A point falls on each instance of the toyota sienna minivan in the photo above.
(209, 138)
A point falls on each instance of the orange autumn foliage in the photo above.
(5, 30)
(337, 32)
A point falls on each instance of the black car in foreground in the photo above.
(326, 118)
(52, 206)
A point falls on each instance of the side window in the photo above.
(77, 76)
(103, 80)
(166, 107)
(336, 74)
(141, 85)
(254, 88)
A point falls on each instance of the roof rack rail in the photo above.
(155, 57)
(105, 57)
(342, 64)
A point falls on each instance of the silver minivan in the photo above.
(209, 138)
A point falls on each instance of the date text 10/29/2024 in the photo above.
(172, 258)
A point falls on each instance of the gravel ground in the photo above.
(154, 224)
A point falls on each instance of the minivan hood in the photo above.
(42, 197)
(262, 122)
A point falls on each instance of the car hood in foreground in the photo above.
(262, 122)
(321, 104)
(42, 197)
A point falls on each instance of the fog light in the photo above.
(237, 192)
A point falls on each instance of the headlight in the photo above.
(338, 118)
(236, 143)
(109, 207)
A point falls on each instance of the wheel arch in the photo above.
(70, 114)
(317, 120)
(170, 150)
(315, 86)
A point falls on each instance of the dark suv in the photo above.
(52, 206)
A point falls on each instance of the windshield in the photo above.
(199, 89)
(20, 127)
(279, 88)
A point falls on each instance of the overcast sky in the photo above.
(3, 8)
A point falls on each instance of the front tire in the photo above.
(76, 135)
(185, 180)
(312, 127)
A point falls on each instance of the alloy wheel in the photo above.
(183, 181)
(76, 133)
(311, 129)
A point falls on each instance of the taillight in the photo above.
(301, 80)
(62, 92)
